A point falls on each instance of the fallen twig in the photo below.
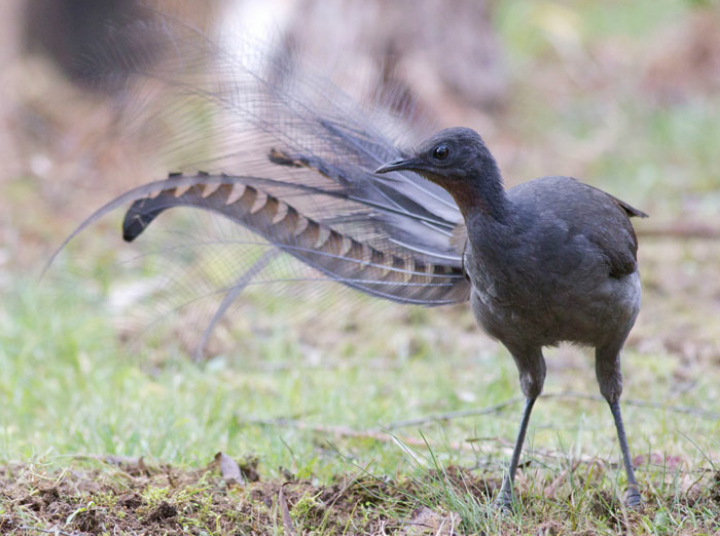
(377, 434)
(569, 394)
(453, 415)
(678, 229)
(109, 459)
(382, 433)
(468, 445)
(55, 531)
(699, 412)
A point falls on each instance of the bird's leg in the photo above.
(506, 492)
(531, 367)
(609, 376)
(633, 492)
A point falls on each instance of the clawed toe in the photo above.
(504, 503)
(633, 499)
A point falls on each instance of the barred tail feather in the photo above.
(388, 275)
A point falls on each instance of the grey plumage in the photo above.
(550, 260)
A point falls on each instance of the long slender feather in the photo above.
(291, 160)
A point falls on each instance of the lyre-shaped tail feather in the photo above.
(301, 156)
(342, 258)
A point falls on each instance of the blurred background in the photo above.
(623, 95)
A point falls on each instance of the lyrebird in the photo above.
(302, 168)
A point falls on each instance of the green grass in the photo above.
(71, 389)
(314, 400)
(585, 105)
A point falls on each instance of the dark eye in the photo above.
(441, 152)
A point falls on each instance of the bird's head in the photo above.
(451, 158)
(458, 160)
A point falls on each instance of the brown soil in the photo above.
(118, 496)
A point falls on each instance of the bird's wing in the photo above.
(630, 211)
(289, 162)
(602, 219)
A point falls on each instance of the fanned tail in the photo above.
(389, 275)
(305, 205)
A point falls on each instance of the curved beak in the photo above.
(399, 165)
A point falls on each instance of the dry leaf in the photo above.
(230, 470)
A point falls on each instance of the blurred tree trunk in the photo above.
(419, 49)
(69, 31)
(9, 15)
(81, 37)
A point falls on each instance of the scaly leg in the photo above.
(633, 492)
(609, 376)
(506, 492)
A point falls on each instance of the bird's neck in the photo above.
(492, 225)
(483, 196)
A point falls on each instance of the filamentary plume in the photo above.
(290, 158)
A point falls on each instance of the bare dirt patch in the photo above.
(125, 496)
(119, 496)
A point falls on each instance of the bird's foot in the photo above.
(632, 498)
(504, 502)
